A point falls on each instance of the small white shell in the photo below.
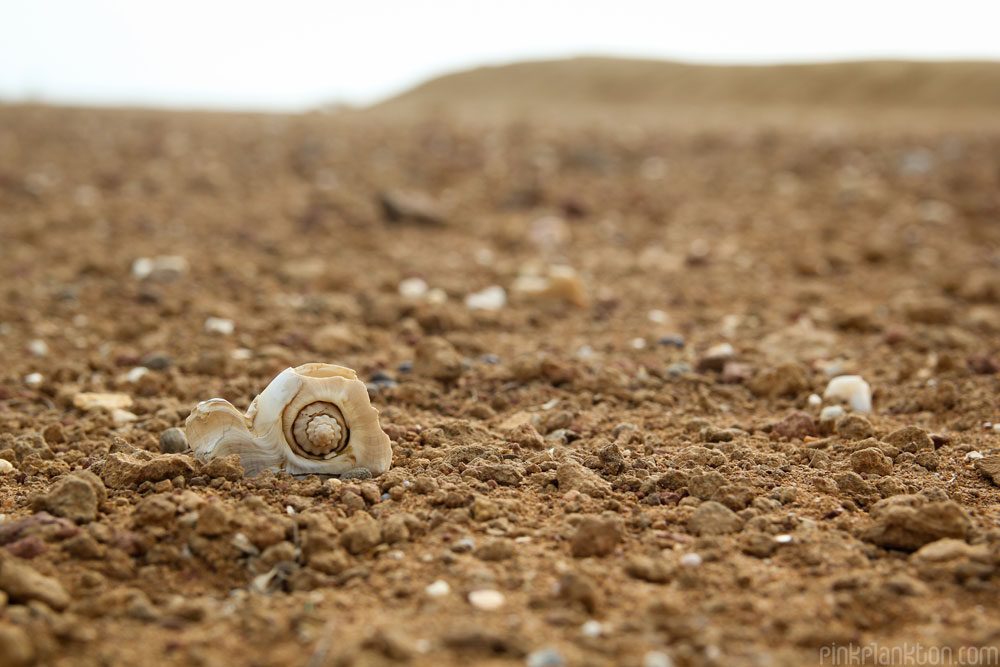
(315, 418)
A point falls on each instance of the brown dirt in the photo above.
(665, 493)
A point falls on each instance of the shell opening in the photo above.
(319, 431)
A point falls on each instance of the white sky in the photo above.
(296, 54)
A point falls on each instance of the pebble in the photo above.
(33, 379)
(546, 657)
(595, 536)
(713, 518)
(795, 425)
(592, 628)
(871, 461)
(71, 498)
(672, 340)
(438, 359)
(157, 361)
(854, 427)
(6, 466)
(15, 646)
(106, 401)
(413, 288)
(831, 413)
(163, 268)
(815, 400)
(357, 473)
(851, 389)
(491, 298)
(715, 357)
(678, 369)
(219, 325)
(908, 522)
(487, 599)
(691, 560)
(656, 659)
(173, 441)
(658, 316)
(438, 589)
(38, 348)
(23, 584)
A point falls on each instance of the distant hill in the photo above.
(610, 83)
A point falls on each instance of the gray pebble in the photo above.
(546, 657)
(357, 473)
(173, 441)
(678, 369)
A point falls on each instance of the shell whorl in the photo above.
(319, 431)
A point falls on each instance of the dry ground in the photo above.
(634, 500)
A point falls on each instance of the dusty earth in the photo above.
(579, 477)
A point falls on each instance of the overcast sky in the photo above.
(297, 54)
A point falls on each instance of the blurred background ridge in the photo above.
(616, 82)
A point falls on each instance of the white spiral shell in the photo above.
(315, 418)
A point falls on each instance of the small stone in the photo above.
(852, 390)
(496, 549)
(715, 357)
(219, 325)
(491, 298)
(410, 206)
(546, 657)
(788, 379)
(487, 599)
(988, 466)
(795, 425)
(906, 522)
(34, 379)
(227, 467)
(6, 466)
(16, 649)
(691, 560)
(22, 583)
(412, 288)
(157, 361)
(672, 340)
(854, 427)
(484, 509)
(645, 568)
(713, 518)
(38, 348)
(571, 475)
(357, 473)
(213, 520)
(105, 401)
(54, 434)
(592, 629)
(910, 439)
(831, 413)
(438, 589)
(758, 544)
(173, 441)
(656, 659)
(595, 536)
(436, 358)
(71, 498)
(362, 535)
(871, 461)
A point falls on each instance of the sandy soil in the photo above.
(582, 483)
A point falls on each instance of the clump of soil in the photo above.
(649, 474)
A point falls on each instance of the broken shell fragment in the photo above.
(850, 389)
(315, 418)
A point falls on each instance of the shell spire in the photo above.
(314, 418)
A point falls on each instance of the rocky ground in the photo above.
(600, 351)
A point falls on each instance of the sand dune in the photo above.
(620, 83)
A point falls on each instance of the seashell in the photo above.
(315, 418)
